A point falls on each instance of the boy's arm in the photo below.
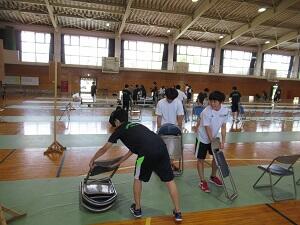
(179, 120)
(124, 158)
(208, 132)
(223, 135)
(159, 118)
(100, 152)
(196, 127)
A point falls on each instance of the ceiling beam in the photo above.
(38, 13)
(50, 11)
(125, 16)
(201, 9)
(284, 38)
(261, 18)
(88, 7)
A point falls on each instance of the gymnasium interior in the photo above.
(51, 52)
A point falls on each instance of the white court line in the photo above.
(195, 160)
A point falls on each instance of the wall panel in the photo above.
(115, 82)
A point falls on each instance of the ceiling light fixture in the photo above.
(221, 36)
(267, 42)
(262, 9)
(168, 31)
(194, 0)
(107, 24)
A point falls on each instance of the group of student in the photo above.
(151, 151)
(132, 95)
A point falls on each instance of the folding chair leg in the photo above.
(295, 190)
(277, 180)
(272, 190)
(271, 185)
(255, 184)
(298, 182)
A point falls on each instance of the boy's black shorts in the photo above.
(158, 163)
(202, 150)
(235, 108)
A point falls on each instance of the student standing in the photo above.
(126, 97)
(93, 91)
(212, 119)
(235, 96)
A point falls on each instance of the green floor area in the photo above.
(92, 140)
(55, 201)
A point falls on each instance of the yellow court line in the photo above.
(148, 221)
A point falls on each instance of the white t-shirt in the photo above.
(181, 96)
(213, 119)
(169, 111)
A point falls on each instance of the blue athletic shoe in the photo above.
(177, 216)
(135, 212)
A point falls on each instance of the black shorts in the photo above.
(159, 164)
(235, 108)
(202, 150)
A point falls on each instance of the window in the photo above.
(197, 57)
(280, 63)
(145, 55)
(35, 46)
(236, 62)
(84, 50)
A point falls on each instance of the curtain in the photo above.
(122, 54)
(252, 63)
(262, 64)
(51, 47)
(19, 43)
(111, 47)
(221, 61)
(290, 67)
(62, 49)
(212, 57)
(164, 63)
(175, 54)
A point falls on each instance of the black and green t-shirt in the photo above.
(138, 139)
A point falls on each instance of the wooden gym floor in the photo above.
(30, 163)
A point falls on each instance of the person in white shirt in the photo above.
(182, 97)
(169, 109)
(212, 119)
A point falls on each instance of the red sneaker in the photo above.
(204, 186)
(216, 181)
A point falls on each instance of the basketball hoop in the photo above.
(271, 75)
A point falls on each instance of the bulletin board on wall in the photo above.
(12, 80)
(30, 81)
(20, 80)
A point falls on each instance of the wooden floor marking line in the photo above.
(10, 153)
(281, 214)
(148, 221)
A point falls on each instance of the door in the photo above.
(274, 88)
(85, 88)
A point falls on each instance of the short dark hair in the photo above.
(201, 97)
(126, 85)
(171, 93)
(234, 88)
(178, 86)
(206, 89)
(217, 95)
(119, 114)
